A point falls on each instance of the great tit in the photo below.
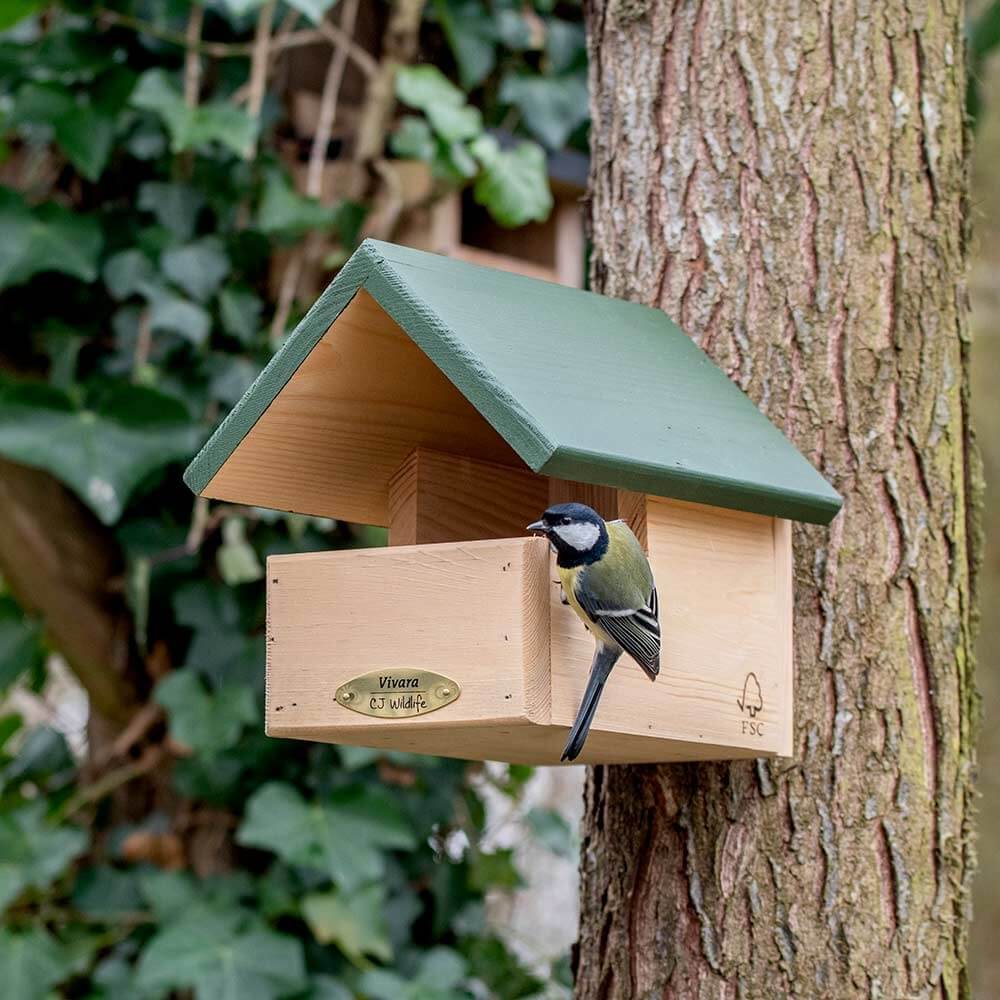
(607, 581)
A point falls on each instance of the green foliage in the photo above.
(136, 262)
(983, 34)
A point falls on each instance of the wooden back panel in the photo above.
(362, 400)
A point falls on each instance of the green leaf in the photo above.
(205, 722)
(552, 831)
(193, 128)
(455, 123)
(240, 311)
(209, 951)
(126, 272)
(342, 836)
(565, 45)
(285, 211)
(13, 11)
(173, 314)
(468, 26)
(33, 962)
(175, 206)
(33, 853)
(102, 450)
(514, 185)
(354, 922)
(552, 107)
(412, 139)
(426, 87)
(199, 268)
(107, 893)
(21, 646)
(236, 558)
(46, 238)
(495, 870)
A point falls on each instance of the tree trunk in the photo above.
(788, 182)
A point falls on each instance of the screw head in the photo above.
(347, 696)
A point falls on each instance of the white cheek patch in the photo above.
(581, 536)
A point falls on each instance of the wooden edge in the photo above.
(785, 601)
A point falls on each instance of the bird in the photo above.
(606, 579)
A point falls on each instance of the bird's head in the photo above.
(576, 532)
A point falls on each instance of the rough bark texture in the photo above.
(788, 182)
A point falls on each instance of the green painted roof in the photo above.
(581, 386)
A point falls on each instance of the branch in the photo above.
(57, 560)
(192, 58)
(400, 46)
(258, 71)
(328, 101)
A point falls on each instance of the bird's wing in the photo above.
(618, 595)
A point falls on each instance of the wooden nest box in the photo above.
(453, 403)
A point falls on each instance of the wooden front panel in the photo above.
(724, 584)
(473, 611)
(362, 400)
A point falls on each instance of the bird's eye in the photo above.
(567, 520)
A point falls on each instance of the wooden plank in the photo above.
(716, 577)
(361, 401)
(436, 497)
(473, 611)
(570, 250)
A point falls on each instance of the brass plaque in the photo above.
(397, 693)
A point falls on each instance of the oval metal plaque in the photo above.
(397, 693)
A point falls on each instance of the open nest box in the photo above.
(453, 403)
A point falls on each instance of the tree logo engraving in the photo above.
(752, 700)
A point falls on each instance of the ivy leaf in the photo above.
(103, 450)
(552, 831)
(514, 185)
(14, 10)
(342, 836)
(426, 87)
(33, 853)
(209, 951)
(236, 559)
(21, 646)
(32, 962)
(354, 922)
(205, 722)
(285, 211)
(193, 128)
(175, 206)
(565, 45)
(468, 26)
(46, 238)
(126, 272)
(175, 314)
(198, 268)
(412, 139)
(240, 311)
(440, 972)
(552, 106)
(455, 123)
(494, 870)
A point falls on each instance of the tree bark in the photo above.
(789, 182)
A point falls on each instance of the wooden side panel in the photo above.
(473, 611)
(435, 497)
(723, 588)
(362, 400)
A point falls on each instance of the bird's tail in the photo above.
(604, 659)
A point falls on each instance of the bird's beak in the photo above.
(538, 528)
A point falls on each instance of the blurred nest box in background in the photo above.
(453, 403)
